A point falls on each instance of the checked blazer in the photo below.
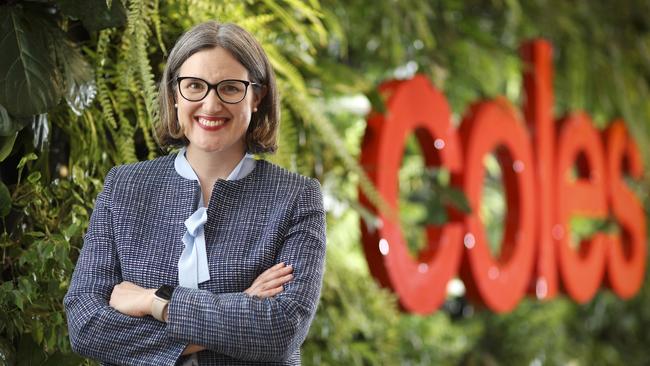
(135, 232)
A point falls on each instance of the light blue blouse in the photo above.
(193, 263)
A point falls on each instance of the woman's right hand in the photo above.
(271, 281)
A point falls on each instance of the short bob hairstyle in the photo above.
(261, 136)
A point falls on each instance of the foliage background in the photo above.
(99, 62)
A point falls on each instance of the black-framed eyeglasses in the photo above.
(231, 91)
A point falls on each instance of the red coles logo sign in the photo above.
(536, 155)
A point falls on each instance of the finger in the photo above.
(287, 269)
(273, 272)
(269, 271)
(258, 291)
(275, 267)
(255, 286)
(277, 282)
(270, 293)
(277, 274)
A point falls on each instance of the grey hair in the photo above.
(261, 136)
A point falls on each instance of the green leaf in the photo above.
(80, 87)
(25, 159)
(6, 123)
(95, 14)
(6, 145)
(18, 299)
(34, 177)
(10, 125)
(29, 80)
(5, 200)
(37, 331)
(35, 234)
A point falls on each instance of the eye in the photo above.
(230, 88)
(193, 85)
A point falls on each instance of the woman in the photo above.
(206, 256)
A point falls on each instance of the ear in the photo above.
(259, 96)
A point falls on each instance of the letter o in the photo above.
(412, 106)
(498, 283)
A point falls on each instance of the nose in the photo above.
(211, 102)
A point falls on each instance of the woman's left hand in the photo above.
(131, 299)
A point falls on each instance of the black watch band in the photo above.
(165, 292)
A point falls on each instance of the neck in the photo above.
(212, 166)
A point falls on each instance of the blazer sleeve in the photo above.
(97, 330)
(254, 329)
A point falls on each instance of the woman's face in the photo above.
(210, 124)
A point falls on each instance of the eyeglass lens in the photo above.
(229, 91)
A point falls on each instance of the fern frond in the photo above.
(285, 70)
(143, 123)
(336, 31)
(125, 142)
(314, 15)
(256, 24)
(138, 28)
(290, 21)
(155, 19)
(90, 135)
(103, 94)
(222, 11)
(324, 127)
(135, 73)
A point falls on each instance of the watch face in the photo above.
(165, 292)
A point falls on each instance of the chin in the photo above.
(217, 147)
(210, 148)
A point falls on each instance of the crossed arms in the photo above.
(235, 324)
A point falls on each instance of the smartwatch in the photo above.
(160, 301)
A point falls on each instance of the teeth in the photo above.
(209, 123)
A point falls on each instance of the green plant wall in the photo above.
(78, 96)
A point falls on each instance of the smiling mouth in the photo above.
(211, 123)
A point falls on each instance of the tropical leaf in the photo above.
(6, 144)
(10, 125)
(80, 86)
(29, 79)
(95, 14)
